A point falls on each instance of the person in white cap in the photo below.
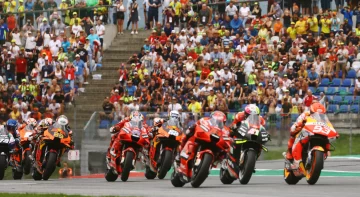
(206, 89)
(30, 42)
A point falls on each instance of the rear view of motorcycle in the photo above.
(4, 151)
(248, 143)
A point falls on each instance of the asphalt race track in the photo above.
(342, 178)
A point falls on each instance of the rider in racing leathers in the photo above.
(295, 150)
(11, 126)
(115, 143)
(188, 144)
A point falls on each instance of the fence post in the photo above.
(350, 138)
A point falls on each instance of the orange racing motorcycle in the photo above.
(316, 138)
(163, 149)
(49, 149)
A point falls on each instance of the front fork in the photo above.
(233, 161)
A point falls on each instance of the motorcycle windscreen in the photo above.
(254, 121)
(136, 124)
(172, 122)
(217, 123)
(58, 130)
(321, 118)
(3, 131)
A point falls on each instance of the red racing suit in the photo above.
(189, 146)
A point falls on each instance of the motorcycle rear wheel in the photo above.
(3, 166)
(110, 176)
(50, 166)
(127, 166)
(16, 174)
(149, 174)
(27, 163)
(165, 164)
(290, 178)
(317, 164)
(248, 168)
(203, 171)
(36, 175)
(225, 177)
(175, 180)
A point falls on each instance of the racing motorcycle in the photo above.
(26, 147)
(133, 138)
(213, 143)
(163, 149)
(320, 134)
(49, 149)
(4, 150)
(249, 141)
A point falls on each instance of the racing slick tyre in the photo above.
(166, 162)
(17, 175)
(129, 157)
(317, 164)
(27, 163)
(225, 177)
(201, 172)
(149, 174)
(110, 176)
(249, 165)
(3, 166)
(36, 175)
(175, 180)
(50, 166)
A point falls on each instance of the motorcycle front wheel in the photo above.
(129, 157)
(166, 162)
(110, 176)
(317, 164)
(248, 168)
(50, 166)
(225, 177)
(27, 162)
(202, 171)
(3, 166)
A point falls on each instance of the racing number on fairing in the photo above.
(58, 135)
(320, 129)
(173, 132)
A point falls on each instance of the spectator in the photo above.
(108, 108)
(80, 69)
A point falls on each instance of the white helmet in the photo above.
(32, 122)
(174, 114)
(62, 120)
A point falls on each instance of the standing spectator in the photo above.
(204, 14)
(108, 108)
(80, 68)
(134, 16)
(120, 15)
(50, 5)
(21, 65)
(4, 30)
(308, 99)
(231, 10)
(153, 14)
(100, 31)
(47, 71)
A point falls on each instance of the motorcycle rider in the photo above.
(188, 143)
(115, 143)
(239, 117)
(11, 126)
(158, 122)
(295, 149)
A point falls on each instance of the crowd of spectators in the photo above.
(46, 55)
(198, 60)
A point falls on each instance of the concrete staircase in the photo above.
(118, 51)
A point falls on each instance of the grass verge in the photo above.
(342, 147)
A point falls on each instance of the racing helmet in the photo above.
(251, 109)
(317, 107)
(48, 121)
(136, 115)
(32, 122)
(218, 115)
(11, 125)
(174, 115)
(62, 120)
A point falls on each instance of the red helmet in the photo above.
(218, 115)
